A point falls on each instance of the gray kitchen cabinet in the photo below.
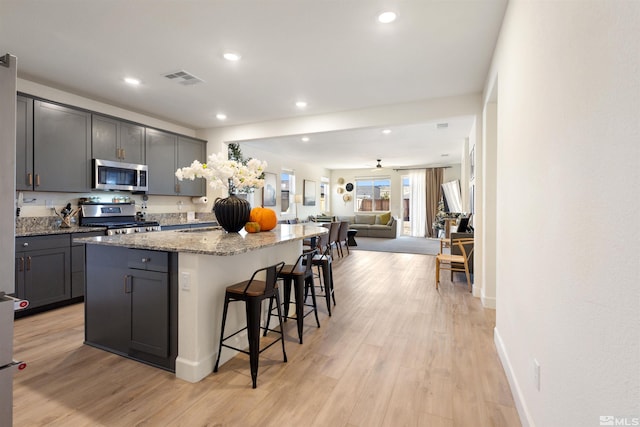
(161, 155)
(43, 269)
(131, 303)
(167, 152)
(190, 149)
(117, 140)
(61, 148)
(24, 144)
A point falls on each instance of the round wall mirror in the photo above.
(340, 181)
(349, 186)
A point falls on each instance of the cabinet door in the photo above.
(61, 147)
(47, 276)
(24, 144)
(104, 143)
(161, 159)
(132, 143)
(149, 292)
(188, 151)
(107, 302)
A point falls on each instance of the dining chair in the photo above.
(343, 235)
(455, 262)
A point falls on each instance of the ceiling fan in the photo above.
(378, 166)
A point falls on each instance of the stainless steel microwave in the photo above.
(109, 175)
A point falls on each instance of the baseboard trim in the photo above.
(488, 302)
(523, 412)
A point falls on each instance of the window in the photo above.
(372, 194)
(324, 194)
(287, 191)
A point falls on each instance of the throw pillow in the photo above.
(383, 218)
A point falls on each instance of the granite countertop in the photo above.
(208, 242)
(44, 230)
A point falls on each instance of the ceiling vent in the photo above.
(184, 78)
(442, 125)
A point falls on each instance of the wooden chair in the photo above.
(454, 262)
(342, 236)
(334, 233)
(253, 292)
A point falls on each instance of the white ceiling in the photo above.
(332, 54)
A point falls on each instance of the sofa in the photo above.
(373, 224)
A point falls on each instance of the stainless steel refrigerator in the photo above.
(7, 233)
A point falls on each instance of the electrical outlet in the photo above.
(185, 281)
(536, 374)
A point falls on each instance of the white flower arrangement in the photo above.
(223, 173)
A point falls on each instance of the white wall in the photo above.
(277, 162)
(568, 194)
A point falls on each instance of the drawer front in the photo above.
(148, 260)
(42, 242)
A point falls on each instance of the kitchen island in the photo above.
(158, 297)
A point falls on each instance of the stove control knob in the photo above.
(136, 230)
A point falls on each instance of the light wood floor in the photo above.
(395, 352)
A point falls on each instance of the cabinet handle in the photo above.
(177, 188)
(127, 284)
(146, 259)
(122, 154)
(25, 244)
(21, 264)
(37, 180)
(28, 263)
(29, 178)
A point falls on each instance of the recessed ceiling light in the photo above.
(132, 81)
(301, 104)
(221, 116)
(387, 17)
(305, 139)
(231, 56)
(386, 131)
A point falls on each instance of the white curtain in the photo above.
(418, 202)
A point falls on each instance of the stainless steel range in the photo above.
(118, 218)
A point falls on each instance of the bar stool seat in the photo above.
(253, 292)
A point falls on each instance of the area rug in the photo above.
(403, 244)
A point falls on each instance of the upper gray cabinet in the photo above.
(61, 148)
(189, 150)
(24, 144)
(161, 155)
(165, 153)
(117, 140)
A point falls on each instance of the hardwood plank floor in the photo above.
(395, 352)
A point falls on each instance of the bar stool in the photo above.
(323, 261)
(300, 274)
(253, 292)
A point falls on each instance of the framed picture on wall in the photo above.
(309, 193)
(269, 189)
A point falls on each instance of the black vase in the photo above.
(232, 213)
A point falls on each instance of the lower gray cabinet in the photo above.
(131, 303)
(43, 269)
